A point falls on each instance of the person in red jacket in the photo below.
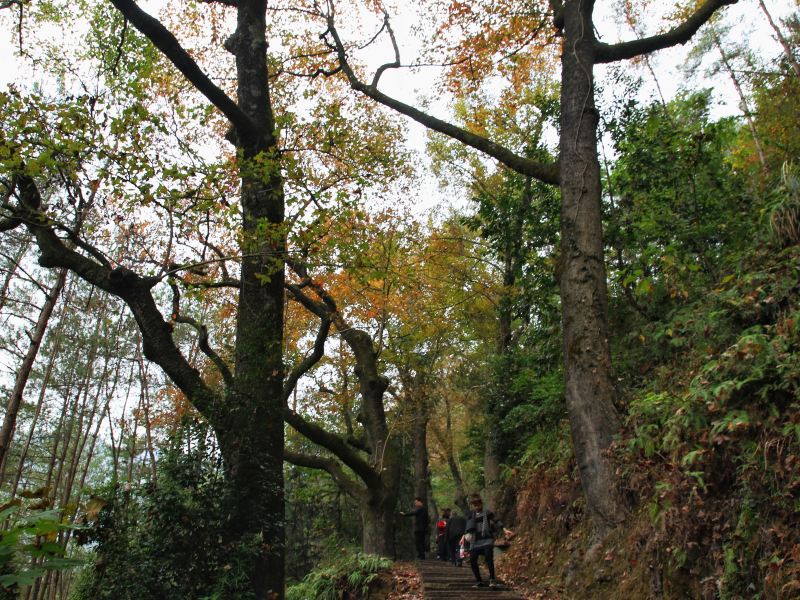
(441, 537)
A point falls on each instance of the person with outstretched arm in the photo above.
(420, 514)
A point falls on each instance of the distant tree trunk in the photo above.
(12, 408)
(51, 361)
(455, 472)
(787, 48)
(513, 259)
(742, 100)
(420, 417)
(12, 270)
(144, 386)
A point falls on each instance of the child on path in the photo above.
(483, 527)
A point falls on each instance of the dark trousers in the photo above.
(488, 552)
(441, 547)
(453, 548)
(419, 543)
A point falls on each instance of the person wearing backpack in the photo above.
(483, 528)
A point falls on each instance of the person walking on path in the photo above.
(420, 514)
(456, 527)
(441, 539)
(483, 527)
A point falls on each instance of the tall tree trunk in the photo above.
(590, 390)
(12, 409)
(251, 434)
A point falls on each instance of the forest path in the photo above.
(443, 581)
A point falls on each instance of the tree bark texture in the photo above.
(589, 385)
(377, 518)
(250, 431)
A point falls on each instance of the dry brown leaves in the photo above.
(406, 584)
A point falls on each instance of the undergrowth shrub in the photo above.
(165, 539)
(347, 575)
(31, 544)
(713, 443)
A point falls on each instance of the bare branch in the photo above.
(9, 223)
(545, 172)
(326, 464)
(132, 288)
(605, 53)
(392, 65)
(202, 336)
(335, 444)
(118, 57)
(310, 360)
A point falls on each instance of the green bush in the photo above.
(164, 539)
(347, 574)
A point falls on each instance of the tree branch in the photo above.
(310, 360)
(334, 444)
(392, 65)
(605, 53)
(132, 288)
(545, 172)
(9, 223)
(168, 44)
(202, 336)
(326, 464)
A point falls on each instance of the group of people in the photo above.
(473, 535)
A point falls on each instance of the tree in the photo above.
(354, 298)
(169, 228)
(589, 378)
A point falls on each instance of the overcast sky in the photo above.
(750, 24)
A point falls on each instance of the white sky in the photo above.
(409, 87)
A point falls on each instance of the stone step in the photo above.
(443, 581)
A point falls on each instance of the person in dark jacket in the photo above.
(483, 527)
(420, 515)
(456, 526)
